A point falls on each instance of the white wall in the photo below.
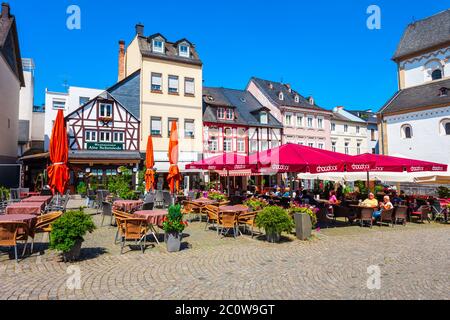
(417, 69)
(9, 108)
(428, 141)
(353, 138)
(27, 98)
(72, 100)
(38, 129)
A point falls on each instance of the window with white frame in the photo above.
(320, 145)
(445, 127)
(320, 123)
(288, 119)
(358, 129)
(299, 120)
(281, 96)
(311, 144)
(173, 84)
(105, 136)
(229, 114)
(169, 126)
(189, 128)
(228, 132)
(118, 137)
(264, 145)
(83, 100)
(158, 45)
(345, 127)
(274, 144)
(221, 113)
(310, 122)
(263, 117)
(333, 126)
(155, 126)
(333, 146)
(241, 145)
(90, 136)
(212, 144)
(358, 148)
(297, 99)
(301, 143)
(406, 131)
(346, 148)
(189, 86)
(105, 110)
(156, 82)
(227, 145)
(253, 146)
(59, 104)
(183, 50)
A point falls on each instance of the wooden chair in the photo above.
(247, 219)
(387, 215)
(227, 222)
(119, 216)
(400, 214)
(212, 214)
(134, 229)
(11, 232)
(366, 215)
(421, 214)
(44, 225)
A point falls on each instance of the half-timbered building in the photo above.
(103, 136)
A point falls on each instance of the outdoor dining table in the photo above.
(29, 194)
(204, 201)
(25, 208)
(127, 205)
(153, 218)
(45, 199)
(29, 219)
(239, 208)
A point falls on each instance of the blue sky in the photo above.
(322, 48)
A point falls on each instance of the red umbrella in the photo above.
(174, 176)
(58, 172)
(396, 164)
(149, 163)
(298, 158)
(225, 161)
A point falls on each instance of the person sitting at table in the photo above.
(287, 193)
(385, 205)
(278, 192)
(370, 202)
(332, 199)
(395, 198)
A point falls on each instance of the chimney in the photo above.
(140, 29)
(5, 10)
(121, 60)
(288, 86)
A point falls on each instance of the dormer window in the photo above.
(281, 96)
(263, 117)
(436, 74)
(158, 45)
(183, 50)
(297, 99)
(311, 101)
(230, 114)
(443, 92)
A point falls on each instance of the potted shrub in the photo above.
(82, 189)
(274, 220)
(68, 232)
(173, 226)
(216, 195)
(311, 211)
(255, 204)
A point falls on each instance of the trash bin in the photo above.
(303, 225)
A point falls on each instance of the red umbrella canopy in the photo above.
(58, 172)
(149, 164)
(297, 158)
(225, 161)
(174, 176)
(396, 164)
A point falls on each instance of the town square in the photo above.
(185, 159)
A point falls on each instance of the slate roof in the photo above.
(127, 93)
(9, 42)
(424, 34)
(246, 107)
(369, 116)
(289, 97)
(171, 50)
(418, 97)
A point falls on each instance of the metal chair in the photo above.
(134, 229)
(148, 206)
(401, 214)
(167, 199)
(227, 222)
(366, 215)
(107, 212)
(14, 195)
(421, 214)
(212, 214)
(11, 232)
(159, 199)
(386, 215)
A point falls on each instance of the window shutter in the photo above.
(189, 86)
(156, 79)
(173, 83)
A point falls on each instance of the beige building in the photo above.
(11, 80)
(170, 90)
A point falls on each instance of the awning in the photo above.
(235, 173)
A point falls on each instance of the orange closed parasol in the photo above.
(58, 172)
(174, 176)
(149, 163)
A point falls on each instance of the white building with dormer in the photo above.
(415, 122)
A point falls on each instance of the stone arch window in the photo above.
(445, 127)
(406, 131)
(433, 70)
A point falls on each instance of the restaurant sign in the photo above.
(104, 146)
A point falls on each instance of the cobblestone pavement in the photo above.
(414, 263)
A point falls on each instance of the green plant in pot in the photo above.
(218, 196)
(68, 232)
(312, 212)
(173, 226)
(82, 189)
(256, 204)
(274, 220)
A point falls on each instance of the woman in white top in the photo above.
(385, 205)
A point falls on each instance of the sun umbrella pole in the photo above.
(368, 183)
(228, 182)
